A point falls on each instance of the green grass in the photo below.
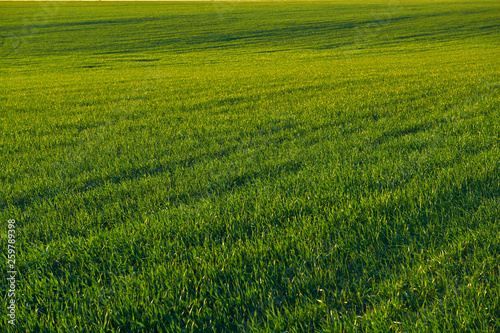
(252, 166)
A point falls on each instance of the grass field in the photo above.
(251, 166)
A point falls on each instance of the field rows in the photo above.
(252, 166)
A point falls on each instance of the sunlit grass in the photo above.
(253, 166)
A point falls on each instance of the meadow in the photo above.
(329, 166)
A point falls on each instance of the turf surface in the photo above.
(252, 166)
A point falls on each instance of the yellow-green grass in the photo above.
(252, 166)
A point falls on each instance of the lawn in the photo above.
(254, 166)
